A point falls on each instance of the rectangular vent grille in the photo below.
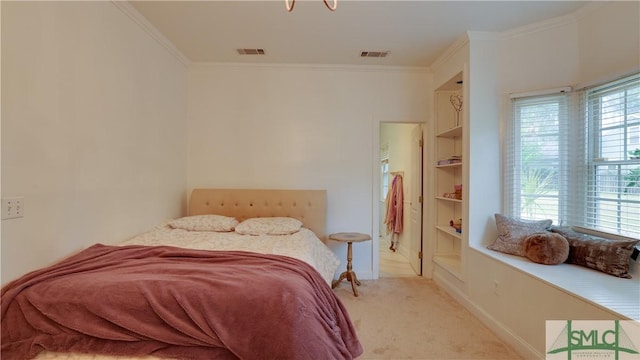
(376, 54)
(251, 51)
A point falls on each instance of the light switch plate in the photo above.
(12, 208)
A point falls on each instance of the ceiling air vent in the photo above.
(251, 51)
(376, 54)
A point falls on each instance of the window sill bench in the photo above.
(618, 295)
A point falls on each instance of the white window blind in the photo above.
(613, 186)
(537, 152)
(575, 158)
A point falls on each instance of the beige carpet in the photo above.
(412, 318)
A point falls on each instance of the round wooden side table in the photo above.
(350, 275)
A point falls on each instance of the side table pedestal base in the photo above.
(351, 277)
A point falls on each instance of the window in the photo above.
(613, 187)
(577, 164)
(538, 161)
(384, 169)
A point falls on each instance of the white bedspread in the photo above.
(303, 245)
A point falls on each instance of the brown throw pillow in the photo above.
(546, 248)
(609, 256)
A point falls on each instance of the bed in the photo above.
(177, 291)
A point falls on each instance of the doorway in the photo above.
(400, 163)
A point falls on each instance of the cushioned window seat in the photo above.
(619, 295)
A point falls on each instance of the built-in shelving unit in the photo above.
(448, 142)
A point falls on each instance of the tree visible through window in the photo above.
(536, 164)
(540, 159)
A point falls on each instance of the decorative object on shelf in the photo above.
(453, 159)
(456, 224)
(290, 4)
(456, 101)
(449, 195)
(457, 194)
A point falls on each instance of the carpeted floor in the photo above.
(412, 318)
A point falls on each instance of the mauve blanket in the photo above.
(179, 303)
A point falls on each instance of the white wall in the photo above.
(304, 127)
(558, 53)
(93, 129)
(609, 41)
(484, 138)
(544, 56)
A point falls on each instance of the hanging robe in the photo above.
(395, 205)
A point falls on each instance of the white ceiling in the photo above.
(415, 32)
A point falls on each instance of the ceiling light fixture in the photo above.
(289, 4)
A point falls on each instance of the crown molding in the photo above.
(333, 67)
(451, 50)
(540, 26)
(482, 35)
(609, 77)
(128, 9)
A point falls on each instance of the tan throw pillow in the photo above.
(216, 223)
(269, 226)
(512, 232)
(546, 248)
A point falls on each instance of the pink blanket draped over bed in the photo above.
(173, 302)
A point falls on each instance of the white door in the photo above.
(415, 212)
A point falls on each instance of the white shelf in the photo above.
(448, 199)
(449, 165)
(449, 230)
(450, 262)
(448, 140)
(451, 133)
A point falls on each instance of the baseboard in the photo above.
(518, 344)
(364, 275)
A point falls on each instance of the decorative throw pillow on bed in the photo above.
(609, 256)
(546, 248)
(216, 223)
(512, 232)
(269, 226)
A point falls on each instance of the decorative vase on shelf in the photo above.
(456, 102)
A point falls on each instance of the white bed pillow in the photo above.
(217, 223)
(269, 226)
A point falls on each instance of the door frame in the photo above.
(375, 211)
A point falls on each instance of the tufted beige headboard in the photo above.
(308, 206)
